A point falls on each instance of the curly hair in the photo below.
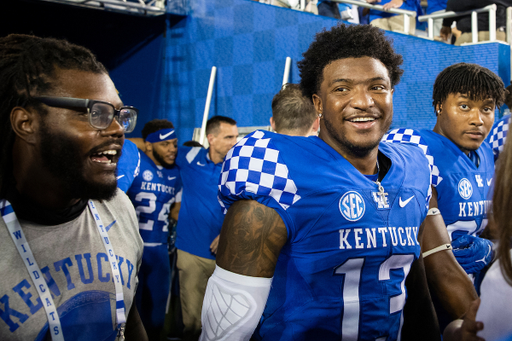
(474, 80)
(28, 65)
(346, 41)
(155, 125)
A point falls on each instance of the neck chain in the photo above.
(377, 182)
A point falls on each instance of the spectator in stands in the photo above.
(464, 22)
(394, 22)
(328, 9)
(331, 9)
(436, 7)
(292, 113)
(200, 217)
(282, 3)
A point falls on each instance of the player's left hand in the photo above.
(472, 253)
(215, 245)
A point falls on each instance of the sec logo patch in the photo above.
(465, 189)
(352, 206)
(147, 175)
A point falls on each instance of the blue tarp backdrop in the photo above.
(248, 42)
(162, 65)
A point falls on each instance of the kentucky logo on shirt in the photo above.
(79, 272)
(381, 199)
(479, 180)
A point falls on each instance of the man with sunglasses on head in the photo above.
(69, 243)
(153, 193)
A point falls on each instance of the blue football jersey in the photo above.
(128, 166)
(152, 193)
(498, 135)
(463, 189)
(341, 274)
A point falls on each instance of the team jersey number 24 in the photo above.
(150, 209)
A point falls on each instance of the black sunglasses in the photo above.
(101, 114)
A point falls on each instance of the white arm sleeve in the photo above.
(232, 305)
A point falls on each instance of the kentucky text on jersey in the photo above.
(84, 262)
(377, 237)
(473, 209)
(151, 186)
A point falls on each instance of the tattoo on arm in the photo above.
(251, 239)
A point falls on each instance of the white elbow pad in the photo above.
(232, 305)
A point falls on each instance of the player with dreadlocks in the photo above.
(464, 99)
(69, 242)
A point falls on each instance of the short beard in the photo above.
(61, 156)
(161, 160)
(359, 151)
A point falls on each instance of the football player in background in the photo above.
(464, 99)
(153, 192)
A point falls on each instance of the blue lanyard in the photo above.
(18, 237)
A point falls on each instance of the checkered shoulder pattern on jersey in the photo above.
(413, 137)
(498, 135)
(253, 166)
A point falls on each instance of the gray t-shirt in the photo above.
(73, 259)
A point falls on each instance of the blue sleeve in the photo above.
(128, 166)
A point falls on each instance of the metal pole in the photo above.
(207, 105)
(492, 24)
(407, 24)
(509, 26)
(286, 75)
(430, 28)
(474, 27)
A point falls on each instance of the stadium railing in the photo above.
(408, 15)
(491, 9)
(137, 7)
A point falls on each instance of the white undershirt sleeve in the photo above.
(232, 305)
